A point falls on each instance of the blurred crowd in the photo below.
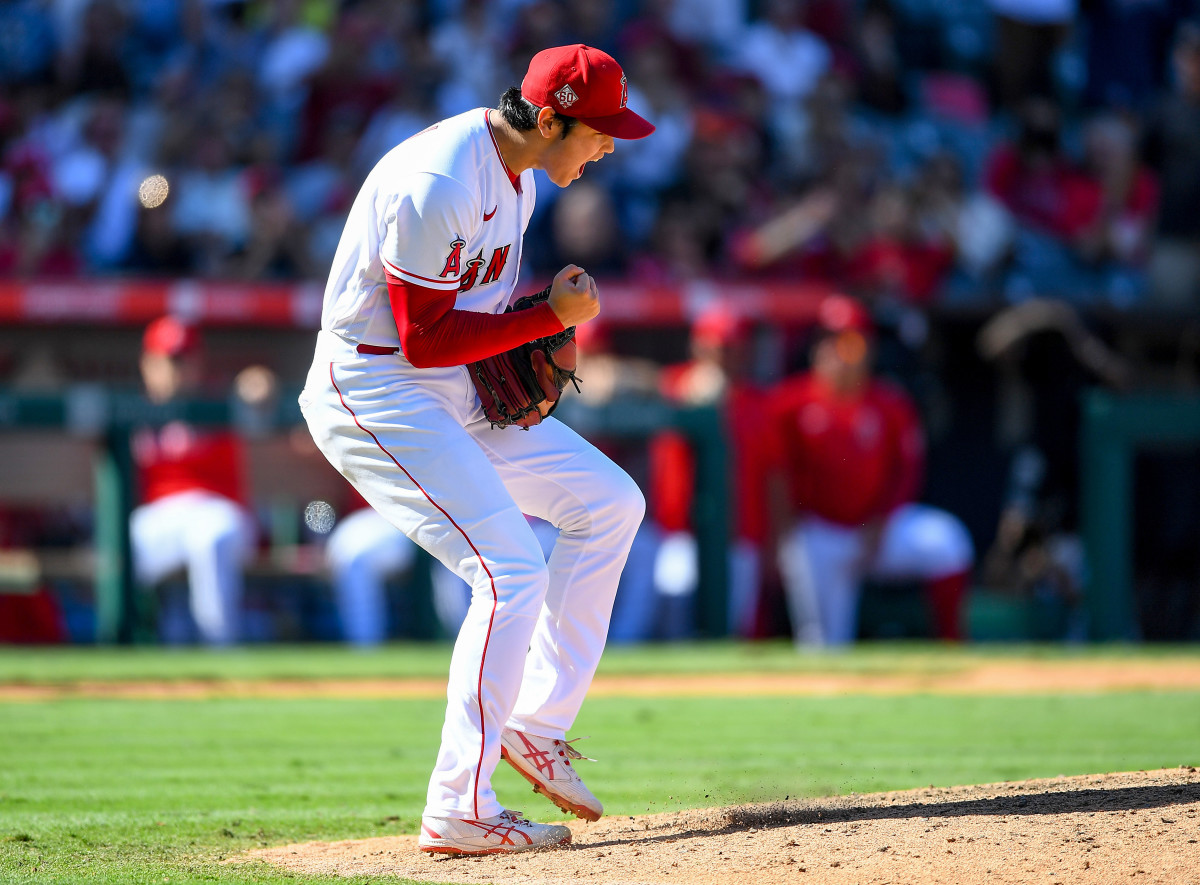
(909, 150)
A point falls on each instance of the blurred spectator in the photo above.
(37, 237)
(277, 245)
(901, 260)
(1045, 357)
(585, 231)
(192, 491)
(210, 207)
(26, 41)
(879, 71)
(848, 453)
(1036, 179)
(468, 35)
(1173, 148)
(1125, 199)
(99, 60)
(713, 24)
(788, 58)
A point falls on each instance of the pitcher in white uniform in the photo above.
(427, 263)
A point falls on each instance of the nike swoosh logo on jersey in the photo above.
(487, 216)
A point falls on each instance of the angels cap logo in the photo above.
(624, 91)
(566, 96)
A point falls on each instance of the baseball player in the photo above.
(192, 491)
(850, 451)
(718, 374)
(426, 266)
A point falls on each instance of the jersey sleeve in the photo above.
(426, 231)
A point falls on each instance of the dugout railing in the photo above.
(1116, 427)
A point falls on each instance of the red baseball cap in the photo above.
(841, 313)
(587, 84)
(721, 326)
(170, 337)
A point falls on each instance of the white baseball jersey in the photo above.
(438, 211)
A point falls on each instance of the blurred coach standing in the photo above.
(192, 489)
(850, 453)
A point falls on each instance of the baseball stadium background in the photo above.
(1011, 186)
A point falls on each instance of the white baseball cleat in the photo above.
(546, 763)
(505, 833)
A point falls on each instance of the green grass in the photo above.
(104, 790)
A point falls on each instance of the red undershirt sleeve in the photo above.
(433, 333)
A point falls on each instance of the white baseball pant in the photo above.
(822, 566)
(209, 536)
(420, 451)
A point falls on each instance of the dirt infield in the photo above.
(1138, 827)
(997, 676)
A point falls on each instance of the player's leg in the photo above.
(362, 551)
(410, 458)
(218, 542)
(745, 580)
(156, 532)
(934, 546)
(818, 562)
(554, 474)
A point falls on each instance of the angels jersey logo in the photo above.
(469, 277)
(566, 96)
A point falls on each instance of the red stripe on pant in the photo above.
(483, 565)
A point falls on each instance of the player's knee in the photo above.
(631, 503)
(623, 501)
(614, 508)
(231, 538)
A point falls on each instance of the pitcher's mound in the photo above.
(1137, 827)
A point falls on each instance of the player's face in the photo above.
(844, 360)
(565, 159)
(166, 377)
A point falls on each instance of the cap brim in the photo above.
(626, 124)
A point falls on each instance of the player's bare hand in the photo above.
(574, 297)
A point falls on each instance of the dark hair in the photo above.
(522, 115)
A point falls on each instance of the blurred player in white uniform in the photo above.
(427, 263)
(192, 491)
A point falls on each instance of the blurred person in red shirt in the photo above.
(1036, 180)
(718, 374)
(192, 490)
(849, 454)
(1124, 194)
